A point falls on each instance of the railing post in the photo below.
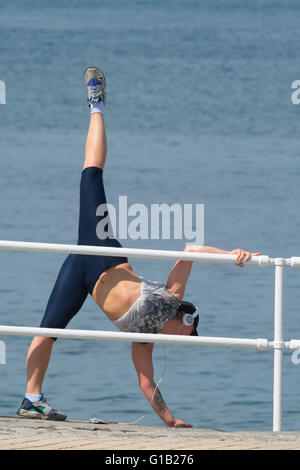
(278, 344)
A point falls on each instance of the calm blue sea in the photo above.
(199, 111)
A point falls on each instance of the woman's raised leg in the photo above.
(96, 144)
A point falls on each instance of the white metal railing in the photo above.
(130, 252)
(260, 344)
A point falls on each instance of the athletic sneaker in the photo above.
(95, 81)
(39, 410)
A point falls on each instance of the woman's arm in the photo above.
(242, 256)
(142, 360)
(180, 272)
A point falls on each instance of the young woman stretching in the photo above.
(132, 303)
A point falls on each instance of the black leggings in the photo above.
(79, 273)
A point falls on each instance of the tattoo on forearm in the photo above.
(159, 401)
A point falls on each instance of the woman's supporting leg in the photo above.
(96, 144)
(66, 299)
(37, 363)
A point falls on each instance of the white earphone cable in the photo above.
(95, 420)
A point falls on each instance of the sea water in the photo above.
(198, 111)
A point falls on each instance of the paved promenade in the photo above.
(22, 434)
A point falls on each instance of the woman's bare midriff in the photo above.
(116, 290)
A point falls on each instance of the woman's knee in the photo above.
(43, 340)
